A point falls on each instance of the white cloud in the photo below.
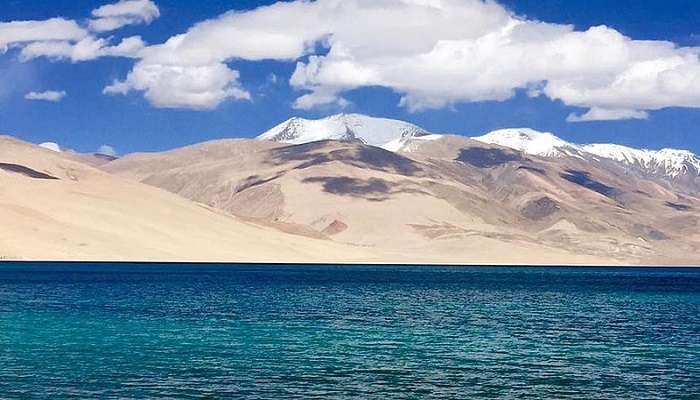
(107, 150)
(58, 38)
(433, 52)
(89, 48)
(125, 12)
(51, 146)
(603, 114)
(129, 47)
(322, 97)
(170, 86)
(51, 96)
(19, 32)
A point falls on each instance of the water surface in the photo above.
(332, 332)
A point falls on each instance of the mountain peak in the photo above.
(349, 127)
(530, 141)
(666, 162)
(671, 162)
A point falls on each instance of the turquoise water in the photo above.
(284, 332)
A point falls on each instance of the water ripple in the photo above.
(263, 332)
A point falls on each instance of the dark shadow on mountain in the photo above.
(361, 156)
(386, 161)
(486, 158)
(583, 178)
(28, 172)
(254, 180)
(679, 207)
(105, 157)
(372, 189)
(310, 154)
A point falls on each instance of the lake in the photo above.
(336, 332)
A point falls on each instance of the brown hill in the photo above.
(54, 208)
(446, 200)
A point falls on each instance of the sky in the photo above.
(150, 75)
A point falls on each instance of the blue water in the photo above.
(284, 332)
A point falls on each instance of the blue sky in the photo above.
(86, 118)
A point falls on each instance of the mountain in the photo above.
(381, 132)
(668, 163)
(56, 208)
(448, 199)
(510, 197)
(405, 209)
(531, 141)
(397, 135)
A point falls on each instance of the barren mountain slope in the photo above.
(53, 208)
(356, 193)
(448, 193)
(596, 205)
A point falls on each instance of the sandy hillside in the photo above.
(55, 208)
(447, 199)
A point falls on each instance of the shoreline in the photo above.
(6, 262)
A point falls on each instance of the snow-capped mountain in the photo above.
(667, 162)
(382, 132)
(395, 135)
(530, 141)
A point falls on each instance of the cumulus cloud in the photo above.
(51, 96)
(434, 53)
(88, 48)
(125, 12)
(19, 32)
(106, 150)
(51, 146)
(173, 86)
(59, 39)
(603, 114)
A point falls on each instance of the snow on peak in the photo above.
(678, 162)
(621, 153)
(369, 130)
(394, 135)
(51, 146)
(530, 141)
(409, 144)
(670, 162)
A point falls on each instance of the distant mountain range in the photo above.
(352, 188)
(394, 135)
(669, 162)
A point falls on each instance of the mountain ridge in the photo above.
(451, 196)
(397, 135)
(434, 197)
(347, 127)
